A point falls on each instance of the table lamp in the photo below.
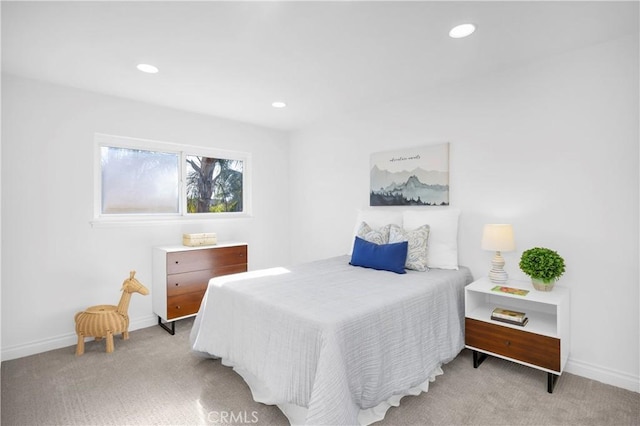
(498, 238)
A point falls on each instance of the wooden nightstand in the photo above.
(181, 275)
(543, 343)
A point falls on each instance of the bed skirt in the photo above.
(297, 415)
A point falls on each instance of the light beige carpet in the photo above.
(153, 379)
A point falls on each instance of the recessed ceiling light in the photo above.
(149, 69)
(461, 31)
(278, 104)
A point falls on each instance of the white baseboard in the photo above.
(63, 340)
(604, 375)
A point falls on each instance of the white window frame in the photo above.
(104, 140)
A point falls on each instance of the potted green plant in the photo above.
(543, 265)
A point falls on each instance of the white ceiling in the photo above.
(232, 59)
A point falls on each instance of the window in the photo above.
(144, 180)
(136, 181)
(214, 185)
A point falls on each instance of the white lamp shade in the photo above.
(498, 237)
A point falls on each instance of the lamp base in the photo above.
(498, 277)
(497, 274)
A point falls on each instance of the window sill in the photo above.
(164, 221)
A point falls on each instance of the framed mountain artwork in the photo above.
(410, 177)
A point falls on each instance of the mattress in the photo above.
(330, 343)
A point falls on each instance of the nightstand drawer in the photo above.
(520, 345)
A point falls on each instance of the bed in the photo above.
(332, 343)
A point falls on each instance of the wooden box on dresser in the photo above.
(543, 343)
(181, 275)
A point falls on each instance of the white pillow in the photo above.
(442, 249)
(375, 218)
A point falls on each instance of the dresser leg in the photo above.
(172, 330)
(478, 358)
(551, 382)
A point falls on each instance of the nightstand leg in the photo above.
(478, 358)
(172, 330)
(551, 382)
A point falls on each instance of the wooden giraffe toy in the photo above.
(106, 320)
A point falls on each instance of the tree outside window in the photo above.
(214, 185)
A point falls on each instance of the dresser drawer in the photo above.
(205, 259)
(188, 282)
(536, 349)
(184, 304)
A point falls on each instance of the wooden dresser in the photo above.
(181, 275)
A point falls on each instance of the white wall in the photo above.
(551, 147)
(54, 263)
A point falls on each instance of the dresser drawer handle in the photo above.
(177, 284)
(508, 343)
(178, 307)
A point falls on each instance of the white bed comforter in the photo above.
(327, 341)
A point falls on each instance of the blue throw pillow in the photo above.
(385, 257)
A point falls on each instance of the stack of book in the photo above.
(510, 317)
